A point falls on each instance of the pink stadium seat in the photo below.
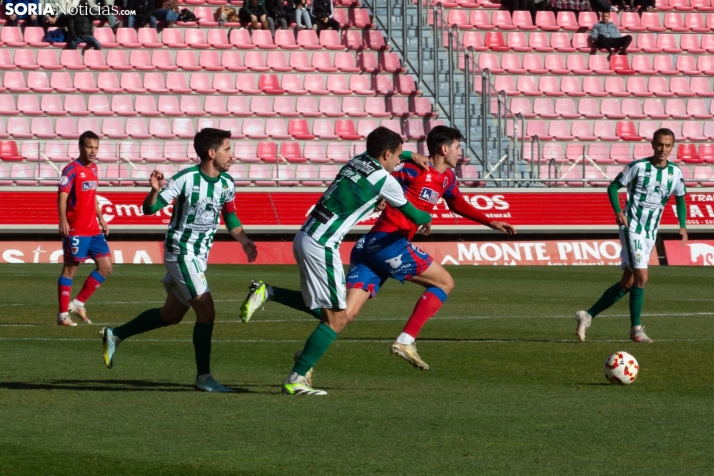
(674, 126)
(533, 63)
(216, 106)
(494, 41)
(528, 86)
(551, 151)
(52, 105)
(695, 22)
(19, 128)
(183, 128)
(540, 42)
(284, 106)
(600, 153)
(668, 44)
(126, 37)
(300, 130)
(173, 38)
(651, 22)
(632, 109)
(137, 128)
(555, 64)
(262, 106)
(276, 129)
(291, 151)
(615, 86)
(116, 60)
(308, 39)
(113, 128)
(365, 127)
(589, 108)
(169, 106)
(255, 61)
(205, 16)
(688, 154)
(676, 109)
(307, 107)
(84, 82)
(187, 61)
(29, 105)
(337, 84)
(233, 61)
(491, 62)
(600, 65)
(200, 83)
(322, 61)
(328, 173)
(510, 63)
(224, 83)
(263, 39)
(567, 21)
(461, 18)
(687, 65)
(131, 83)
(34, 36)
(663, 65)
(7, 105)
(141, 61)
(593, 86)
(123, 106)
(25, 59)
(160, 128)
(41, 127)
(12, 36)
(475, 40)
(605, 130)
(516, 41)
(545, 20)
(353, 107)
(162, 60)
(630, 21)
(697, 108)
(560, 42)
(210, 60)
(345, 129)
(359, 17)
(278, 61)
(391, 62)
(620, 153)
(414, 131)
(330, 40)
(38, 82)
(675, 23)
(292, 84)
(702, 5)
(537, 128)
(383, 85)
(240, 39)
(481, 20)
(66, 127)
(176, 83)
(659, 87)
(338, 152)
(619, 64)
(109, 83)
(239, 106)
(700, 87)
(560, 130)
(550, 86)
(523, 106)
(300, 62)
(98, 105)
(706, 153)
(502, 83)
(642, 64)
(218, 39)
(148, 37)
(612, 108)
(679, 86)
(582, 43)
(693, 131)
(254, 128)
(648, 43)
(376, 107)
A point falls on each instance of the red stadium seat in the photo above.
(300, 130)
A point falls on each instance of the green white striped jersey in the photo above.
(354, 193)
(196, 213)
(648, 189)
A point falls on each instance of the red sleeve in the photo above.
(460, 206)
(228, 207)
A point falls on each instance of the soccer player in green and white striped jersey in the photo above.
(650, 183)
(360, 184)
(199, 195)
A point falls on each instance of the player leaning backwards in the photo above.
(81, 235)
(387, 252)
(650, 182)
(359, 185)
(199, 194)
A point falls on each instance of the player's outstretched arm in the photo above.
(460, 206)
(422, 161)
(152, 203)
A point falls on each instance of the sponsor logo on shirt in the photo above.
(429, 195)
(394, 262)
(89, 185)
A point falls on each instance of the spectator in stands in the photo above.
(105, 8)
(225, 14)
(606, 35)
(276, 15)
(257, 14)
(28, 20)
(167, 12)
(80, 29)
(47, 21)
(645, 5)
(144, 10)
(520, 5)
(298, 13)
(323, 13)
(570, 5)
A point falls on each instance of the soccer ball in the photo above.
(621, 368)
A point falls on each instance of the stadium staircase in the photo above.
(300, 106)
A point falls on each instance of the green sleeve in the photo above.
(612, 193)
(681, 211)
(406, 155)
(415, 215)
(231, 220)
(158, 205)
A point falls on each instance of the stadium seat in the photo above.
(555, 64)
(276, 129)
(262, 106)
(108, 82)
(545, 20)
(461, 19)
(215, 106)
(605, 130)
(176, 83)
(131, 83)
(38, 82)
(693, 131)
(706, 153)
(680, 87)
(292, 84)
(160, 128)
(675, 23)
(239, 106)
(200, 83)
(630, 21)
(88, 124)
(615, 86)
(233, 61)
(270, 84)
(29, 105)
(646, 129)
(627, 131)
(632, 109)
(540, 42)
(330, 40)
(611, 108)
(560, 130)
(353, 107)
(494, 41)
(642, 64)
(528, 86)
(148, 37)
(516, 41)
(675, 109)
(116, 60)
(113, 128)
(651, 22)
(589, 108)
(255, 61)
(697, 108)
(688, 154)
(137, 128)
(285, 106)
(560, 42)
(34, 36)
(162, 60)
(300, 62)
(186, 60)
(210, 60)
(700, 87)
(619, 64)
(66, 127)
(226, 123)
(592, 86)
(604, 154)
(126, 37)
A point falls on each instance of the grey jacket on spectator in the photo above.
(606, 30)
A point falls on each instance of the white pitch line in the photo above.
(378, 319)
(355, 341)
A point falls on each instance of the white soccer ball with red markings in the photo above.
(621, 368)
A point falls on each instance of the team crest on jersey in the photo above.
(64, 181)
(167, 184)
(429, 195)
(205, 212)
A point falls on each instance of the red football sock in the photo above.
(90, 285)
(425, 309)
(64, 292)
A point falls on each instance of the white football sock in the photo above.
(78, 303)
(405, 339)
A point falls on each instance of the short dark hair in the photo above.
(87, 135)
(381, 140)
(209, 139)
(442, 135)
(663, 132)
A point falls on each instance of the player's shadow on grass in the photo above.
(109, 386)
(485, 340)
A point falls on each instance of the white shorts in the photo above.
(636, 250)
(185, 277)
(322, 277)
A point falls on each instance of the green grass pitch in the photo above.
(509, 392)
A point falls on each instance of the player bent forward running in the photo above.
(81, 235)
(386, 251)
(199, 194)
(650, 182)
(359, 185)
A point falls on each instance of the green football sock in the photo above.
(144, 322)
(637, 297)
(613, 294)
(315, 347)
(293, 299)
(202, 347)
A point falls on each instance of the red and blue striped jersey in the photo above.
(80, 183)
(423, 189)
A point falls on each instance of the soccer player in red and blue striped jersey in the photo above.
(80, 221)
(387, 252)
